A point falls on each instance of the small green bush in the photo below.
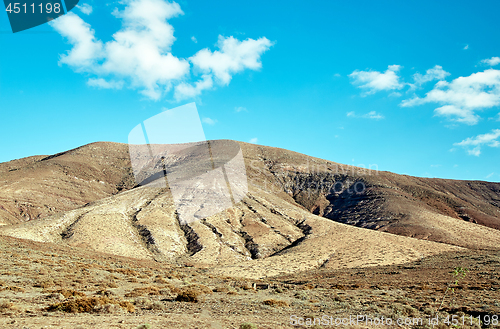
(248, 325)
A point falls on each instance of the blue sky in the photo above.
(410, 86)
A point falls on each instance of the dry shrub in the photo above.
(127, 305)
(161, 280)
(7, 306)
(174, 290)
(192, 293)
(202, 288)
(109, 309)
(221, 289)
(125, 271)
(67, 293)
(174, 275)
(275, 302)
(302, 295)
(148, 304)
(188, 295)
(44, 284)
(360, 285)
(14, 288)
(109, 284)
(245, 285)
(405, 310)
(89, 305)
(143, 291)
(105, 292)
(55, 296)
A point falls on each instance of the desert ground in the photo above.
(84, 246)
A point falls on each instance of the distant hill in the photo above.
(300, 213)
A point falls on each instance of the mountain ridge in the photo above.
(300, 213)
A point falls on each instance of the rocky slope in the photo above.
(300, 213)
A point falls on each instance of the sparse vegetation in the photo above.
(275, 302)
(67, 293)
(7, 306)
(45, 277)
(144, 326)
(143, 291)
(89, 305)
(189, 295)
(458, 273)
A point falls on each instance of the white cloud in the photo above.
(185, 90)
(85, 9)
(254, 140)
(370, 115)
(373, 81)
(491, 61)
(462, 97)
(473, 144)
(457, 114)
(86, 49)
(466, 47)
(193, 38)
(139, 54)
(435, 73)
(209, 121)
(232, 57)
(240, 109)
(101, 83)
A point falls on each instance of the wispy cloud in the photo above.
(139, 54)
(193, 38)
(85, 8)
(370, 115)
(491, 61)
(490, 175)
(254, 140)
(463, 96)
(185, 90)
(101, 83)
(240, 109)
(209, 121)
(373, 81)
(435, 73)
(466, 47)
(473, 144)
